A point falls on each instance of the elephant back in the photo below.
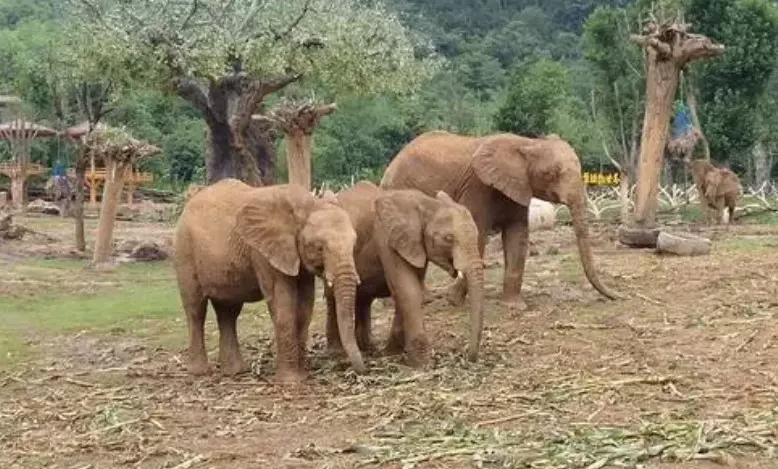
(431, 162)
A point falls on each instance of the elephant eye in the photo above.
(449, 238)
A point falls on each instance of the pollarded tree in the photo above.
(119, 151)
(225, 57)
(298, 119)
(668, 47)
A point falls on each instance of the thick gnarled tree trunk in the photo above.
(668, 48)
(238, 146)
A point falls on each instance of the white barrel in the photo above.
(542, 215)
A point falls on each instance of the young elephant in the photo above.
(717, 188)
(398, 233)
(236, 244)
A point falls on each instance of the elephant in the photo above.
(237, 244)
(399, 232)
(495, 177)
(717, 188)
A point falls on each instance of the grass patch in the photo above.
(78, 299)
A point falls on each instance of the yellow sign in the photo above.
(601, 179)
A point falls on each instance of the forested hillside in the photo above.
(526, 66)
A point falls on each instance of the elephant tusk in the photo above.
(329, 283)
(460, 274)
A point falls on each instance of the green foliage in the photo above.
(342, 44)
(732, 86)
(536, 91)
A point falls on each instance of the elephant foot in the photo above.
(514, 304)
(235, 367)
(418, 353)
(336, 350)
(290, 377)
(395, 346)
(199, 368)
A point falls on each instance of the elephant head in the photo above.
(546, 168)
(295, 230)
(420, 228)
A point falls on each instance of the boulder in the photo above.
(41, 206)
(148, 251)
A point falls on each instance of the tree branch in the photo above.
(195, 93)
(277, 83)
(279, 36)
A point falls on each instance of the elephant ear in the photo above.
(501, 162)
(401, 220)
(270, 221)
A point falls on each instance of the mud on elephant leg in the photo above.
(364, 324)
(515, 241)
(396, 343)
(196, 307)
(305, 293)
(230, 357)
(283, 305)
(334, 345)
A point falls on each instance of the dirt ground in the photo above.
(682, 374)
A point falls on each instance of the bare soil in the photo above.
(683, 374)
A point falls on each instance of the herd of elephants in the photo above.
(437, 202)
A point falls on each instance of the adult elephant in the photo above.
(398, 234)
(236, 244)
(495, 177)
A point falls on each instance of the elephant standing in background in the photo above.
(398, 234)
(236, 244)
(495, 177)
(717, 188)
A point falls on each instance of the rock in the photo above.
(542, 215)
(148, 251)
(683, 244)
(126, 246)
(41, 206)
(638, 237)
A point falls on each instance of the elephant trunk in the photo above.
(344, 288)
(578, 213)
(472, 268)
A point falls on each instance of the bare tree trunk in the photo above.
(691, 101)
(19, 188)
(661, 85)
(114, 180)
(762, 164)
(238, 147)
(299, 148)
(78, 209)
(667, 50)
(624, 196)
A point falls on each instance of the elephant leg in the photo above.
(196, 306)
(230, 357)
(334, 345)
(409, 294)
(458, 291)
(515, 243)
(283, 306)
(396, 343)
(305, 293)
(364, 324)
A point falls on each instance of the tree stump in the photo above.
(683, 244)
